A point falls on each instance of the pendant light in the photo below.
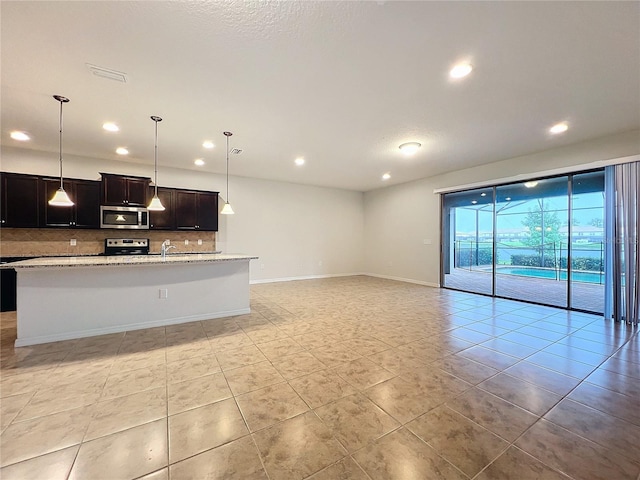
(60, 198)
(155, 204)
(227, 210)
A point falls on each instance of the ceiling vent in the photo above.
(236, 151)
(107, 73)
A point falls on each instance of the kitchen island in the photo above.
(60, 298)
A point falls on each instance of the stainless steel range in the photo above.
(126, 246)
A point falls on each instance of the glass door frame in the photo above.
(569, 268)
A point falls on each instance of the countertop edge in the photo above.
(124, 260)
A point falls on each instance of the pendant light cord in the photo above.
(227, 168)
(61, 185)
(156, 119)
(155, 163)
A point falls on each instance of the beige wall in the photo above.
(400, 218)
(297, 230)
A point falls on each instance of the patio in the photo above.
(585, 296)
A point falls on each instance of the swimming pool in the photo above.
(586, 277)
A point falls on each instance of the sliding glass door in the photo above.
(587, 241)
(529, 244)
(538, 241)
(468, 227)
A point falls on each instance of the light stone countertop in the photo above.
(115, 260)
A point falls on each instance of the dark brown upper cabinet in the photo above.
(196, 210)
(165, 219)
(124, 190)
(20, 197)
(85, 213)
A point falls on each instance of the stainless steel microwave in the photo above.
(124, 217)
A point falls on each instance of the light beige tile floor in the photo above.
(346, 378)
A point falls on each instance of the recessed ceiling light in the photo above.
(530, 184)
(386, 176)
(299, 161)
(483, 194)
(199, 162)
(460, 70)
(559, 128)
(111, 127)
(208, 144)
(508, 199)
(409, 148)
(474, 202)
(20, 136)
(122, 151)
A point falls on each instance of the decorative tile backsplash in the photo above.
(40, 242)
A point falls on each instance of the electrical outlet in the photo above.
(186, 242)
(426, 241)
(262, 266)
(72, 242)
(163, 293)
(320, 263)
(199, 241)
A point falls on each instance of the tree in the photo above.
(596, 222)
(542, 227)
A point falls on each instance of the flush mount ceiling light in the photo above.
(110, 127)
(473, 202)
(299, 161)
(227, 210)
(531, 184)
(386, 176)
(60, 198)
(559, 128)
(208, 144)
(20, 136)
(199, 162)
(409, 148)
(508, 199)
(460, 70)
(122, 151)
(155, 204)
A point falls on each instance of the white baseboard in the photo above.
(400, 279)
(304, 277)
(23, 342)
(311, 277)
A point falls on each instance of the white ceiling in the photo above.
(340, 83)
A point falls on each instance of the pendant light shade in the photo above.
(227, 210)
(60, 198)
(155, 204)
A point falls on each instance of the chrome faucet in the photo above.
(163, 249)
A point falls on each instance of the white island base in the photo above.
(59, 302)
